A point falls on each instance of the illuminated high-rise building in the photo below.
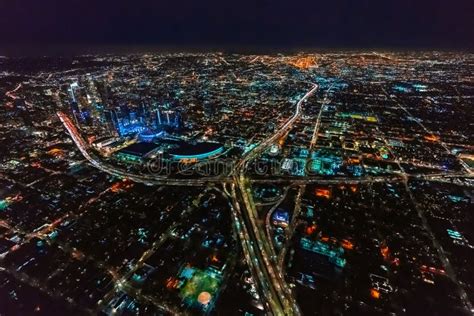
(112, 121)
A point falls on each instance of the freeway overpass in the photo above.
(279, 299)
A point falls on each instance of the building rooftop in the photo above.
(139, 149)
(198, 150)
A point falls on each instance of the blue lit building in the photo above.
(281, 218)
(148, 125)
(333, 254)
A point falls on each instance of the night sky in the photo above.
(28, 26)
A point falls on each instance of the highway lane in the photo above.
(259, 273)
(291, 228)
(283, 297)
(268, 219)
(287, 304)
(302, 187)
(262, 146)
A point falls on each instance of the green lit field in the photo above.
(3, 205)
(201, 281)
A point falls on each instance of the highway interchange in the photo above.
(258, 250)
